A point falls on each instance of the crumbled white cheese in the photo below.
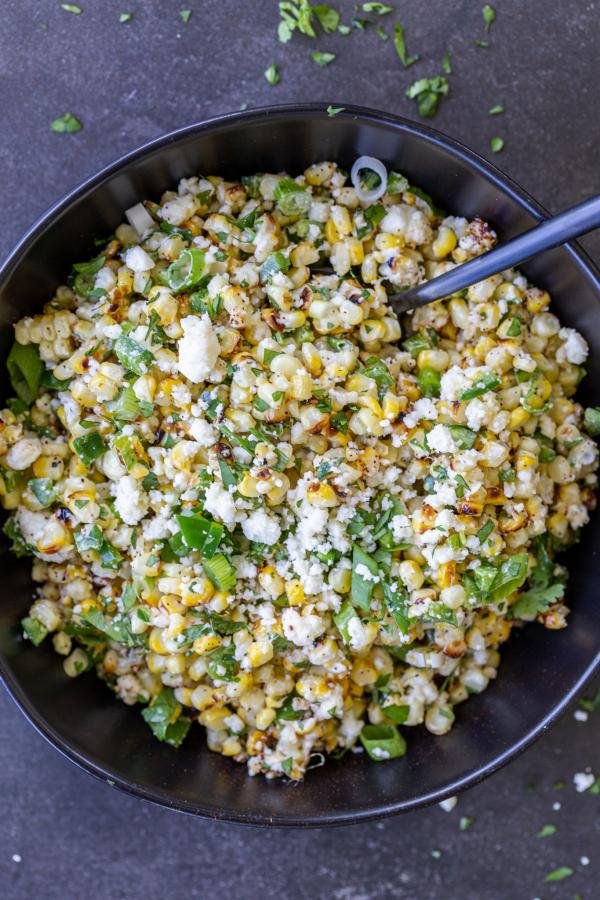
(448, 804)
(220, 504)
(203, 432)
(131, 501)
(475, 414)
(440, 440)
(453, 383)
(198, 348)
(575, 347)
(24, 453)
(580, 715)
(583, 781)
(138, 260)
(301, 630)
(422, 409)
(262, 528)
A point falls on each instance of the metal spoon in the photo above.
(561, 228)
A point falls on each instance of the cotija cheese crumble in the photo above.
(257, 500)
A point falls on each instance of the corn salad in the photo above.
(256, 500)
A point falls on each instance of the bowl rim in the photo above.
(261, 115)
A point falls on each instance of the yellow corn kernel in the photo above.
(322, 495)
(247, 486)
(391, 406)
(388, 241)
(537, 300)
(368, 269)
(199, 591)
(295, 592)
(357, 253)
(558, 525)
(411, 575)
(444, 242)
(259, 653)
(231, 746)
(156, 663)
(525, 460)
(206, 643)
(202, 697)
(215, 717)
(155, 642)
(331, 232)
(510, 524)
(433, 359)
(264, 718)
(518, 417)
(271, 581)
(304, 254)
(447, 576)
(369, 402)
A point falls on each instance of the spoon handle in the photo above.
(569, 224)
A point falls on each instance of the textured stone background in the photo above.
(131, 82)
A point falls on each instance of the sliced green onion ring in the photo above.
(370, 164)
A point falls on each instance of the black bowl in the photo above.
(541, 671)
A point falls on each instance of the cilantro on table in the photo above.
(496, 144)
(382, 9)
(272, 74)
(66, 124)
(489, 16)
(333, 111)
(400, 47)
(447, 64)
(299, 15)
(428, 92)
(322, 59)
(125, 17)
(559, 874)
(546, 831)
(185, 15)
(496, 110)
(71, 8)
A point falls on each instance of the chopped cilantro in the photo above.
(322, 59)
(333, 111)
(496, 144)
(427, 92)
(66, 124)
(489, 16)
(400, 46)
(185, 15)
(272, 74)
(496, 110)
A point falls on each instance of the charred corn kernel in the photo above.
(448, 575)
(322, 495)
(206, 643)
(509, 524)
(411, 574)
(259, 653)
(294, 592)
(518, 417)
(558, 525)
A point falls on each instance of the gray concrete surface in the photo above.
(63, 835)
